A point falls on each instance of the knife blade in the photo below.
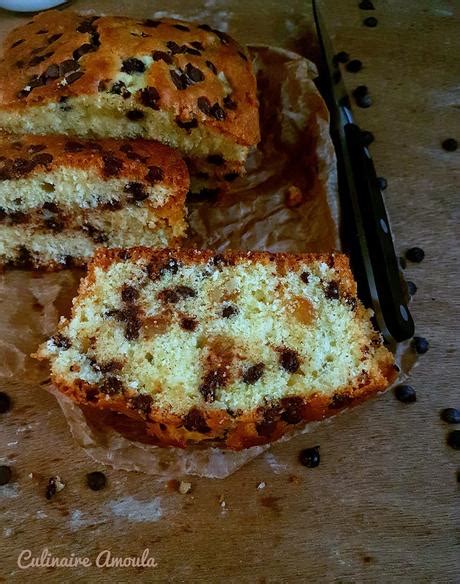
(365, 228)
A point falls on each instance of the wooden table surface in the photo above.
(383, 506)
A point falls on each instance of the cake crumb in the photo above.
(185, 488)
(294, 479)
(293, 197)
(262, 485)
(172, 485)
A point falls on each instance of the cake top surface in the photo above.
(198, 73)
(137, 160)
(235, 331)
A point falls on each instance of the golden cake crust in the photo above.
(224, 428)
(61, 54)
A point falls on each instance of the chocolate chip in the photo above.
(24, 258)
(5, 402)
(54, 224)
(242, 55)
(192, 51)
(36, 60)
(180, 80)
(168, 295)
(193, 73)
(142, 403)
(185, 291)
(133, 65)
(111, 386)
(351, 301)
(219, 260)
(341, 57)
(366, 137)
(136, 191)
(94, 233)
(217, 112)
(187, 125)
(181, 27)
(53, 38)
(175, 48)
(382, 183)
(212, 67)
(453, 439)
(96, 480)
(42, 31)
(135, 115)
(405, 394)
(205, 27)
(73, 77)
(149, 97)
(44, 158)
(111, 164)
(449, 415)
(197, 45)
(289, 360)
(172, 266)
(5, 474)
(51, 488)
(309, 457)
(415, 254)
(87, 25)
(411, 288)
(231, 176)
(17, 43)
(450, 144)
(364, 101)
(332, 290)
(366, 5)
(129, 293)
(189, 323)
(155, 174)
(62, 342)
(216, 159)
(229, 103)
(83, 50)
(204, 105)
(305, 277)
(21, 166)
(162, 56)
(212, 381)
(292, 409)
(68, 66)
(18, 217)
(267, 425)
(253, 373)
(370, 21)
(354, 66)
(119, 88)
(73, 146)
(360, 91)
(19, 64)
(150, 23)
(194, 421)
(229, 310)
(420, 345)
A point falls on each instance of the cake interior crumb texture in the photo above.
(235, 335)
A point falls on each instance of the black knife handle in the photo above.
(378, 239)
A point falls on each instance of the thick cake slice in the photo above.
(234, 349)
(189, 86)
(60, 198)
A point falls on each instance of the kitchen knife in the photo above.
(365, 227)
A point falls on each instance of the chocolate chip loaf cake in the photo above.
(191, 87)
(233, 349)
(60, 198)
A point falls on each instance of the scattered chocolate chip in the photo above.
(411, 288)
(5, 474)
(87, 25)
(229, 103)
(73, 77)
(187, 125)
(180, 80)
(24, 258)
(111, 164)
(62, 342)
(382, 183)
(229, 310)
(136, 191)
(168, 295)
(54, 224)
(194, 421)
(231, 176)
(18, 217)
(340, 400)
(449, 415)
(54, 37)
(42, 31)
(204, 105)
(142, 403)
(219, 260)
(21, 166)
(366, 5)
(129, 293)
(135, 115)
(94, 233)
(193, 73)
(367, 137)
(450, 144)
(289, 360)
(5, 402)
(212, 381)
(83, 50)
(17, 43)
(216, 159)
(150, 23)
(453, 439)
(149, 97)
(43, 158)
(96, 480)
(72, 146)
(197, 45)
(242, 55)
(370, 21)
(111, 386)
(20, 64)
(415, 254)
(68, 66)
(175, 48)
(354, 66)
(205, 27)
(360, 91)
(189, 323)
(181, 27)
(119, 88)
(405, 394)
(267, 425)
(133, 65)
(217, 112)
(420, 345)
(332, 290)
(309, 457)
(292, 409)
(51, 488)
(364, 101)
(162, 56)
(172, 266)
(211, 67)
(305, 277)
(155, 174)
(185, 292)
(253, 373)
(341, 57)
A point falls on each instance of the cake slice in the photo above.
(60, 198)
(231, 349)
(187, 85)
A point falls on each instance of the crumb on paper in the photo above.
(261, 485)
(293, 197)
(55, 485)
(222, 502)
(185, 488)
(294, 479)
